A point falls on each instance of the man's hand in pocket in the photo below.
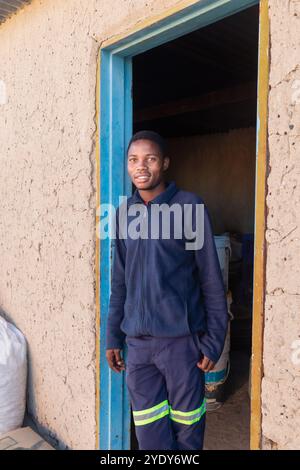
(205, 364)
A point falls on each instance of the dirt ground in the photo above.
(228, 428)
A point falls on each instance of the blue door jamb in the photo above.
(115, 131)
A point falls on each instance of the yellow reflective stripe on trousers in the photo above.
(151, 414)
(188, 417)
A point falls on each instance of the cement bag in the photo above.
(13, 375)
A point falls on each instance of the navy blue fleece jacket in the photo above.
(160, 288)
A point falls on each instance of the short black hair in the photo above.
(150, 135)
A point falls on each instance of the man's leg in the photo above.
(186, 390)
(148, 396)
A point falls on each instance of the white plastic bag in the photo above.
(13, 375)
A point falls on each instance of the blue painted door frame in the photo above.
(115, 131)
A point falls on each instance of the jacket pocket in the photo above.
(128, 308)
(127, 322)
(171, 317)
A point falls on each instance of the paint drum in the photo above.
(214, 394)
(215, 379)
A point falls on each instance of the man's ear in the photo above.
(166, 163)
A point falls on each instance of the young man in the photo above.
(167, 303)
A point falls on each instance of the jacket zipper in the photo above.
(142, 288)
(143, 276)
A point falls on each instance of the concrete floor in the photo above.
(228, 428)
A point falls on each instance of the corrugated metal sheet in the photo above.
(9, 7)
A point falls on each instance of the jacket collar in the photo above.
(163, 197)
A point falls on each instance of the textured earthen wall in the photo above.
(281, 382)
(48, 57)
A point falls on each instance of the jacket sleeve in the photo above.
(114, 335)
(213, 294)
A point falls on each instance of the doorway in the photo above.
(200, 92)
(205, 103)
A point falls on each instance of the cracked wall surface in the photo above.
(281, 381)
(48, 57)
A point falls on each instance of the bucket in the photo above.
(223, 247)
(219, 374)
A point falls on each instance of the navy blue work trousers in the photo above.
(167, 392)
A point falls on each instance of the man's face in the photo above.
(146, 164)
